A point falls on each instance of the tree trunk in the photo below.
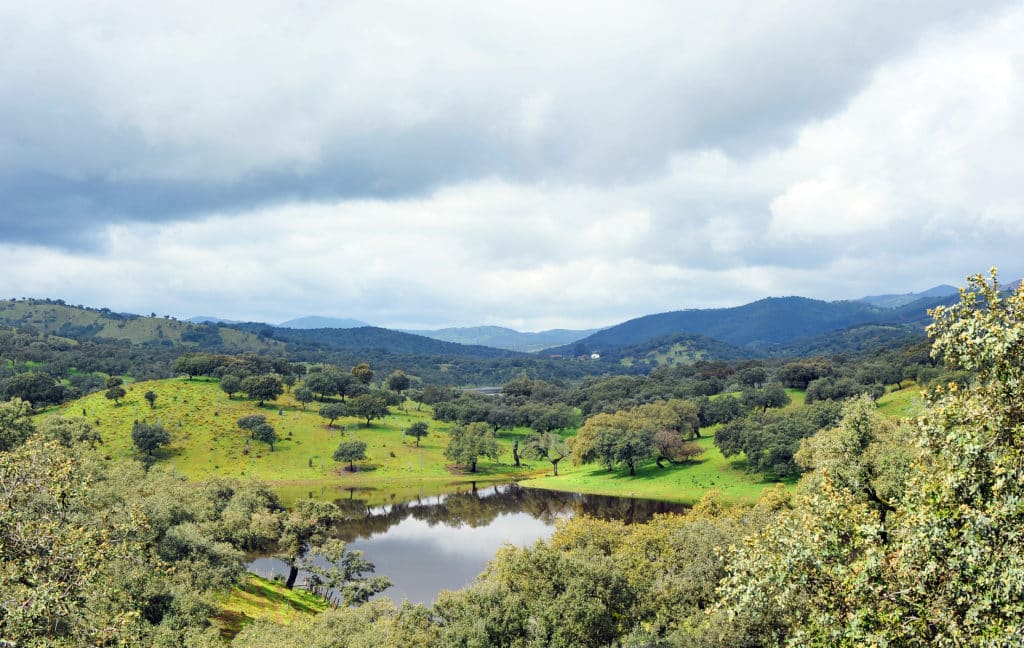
(515, 454)
(293, 573)
(632, 467)
(554, 464)
(472, 467)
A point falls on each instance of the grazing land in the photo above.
(206, 442)
(685, 483)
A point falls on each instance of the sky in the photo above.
(525, 164)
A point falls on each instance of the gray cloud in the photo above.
(149, 112)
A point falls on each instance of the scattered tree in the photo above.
(263, 388)
(351, 451)
(148, 437)
(332, 411)
(264, 432)
(671, 447)
(471, 442)
(251, 423)
(230, 383)
(369, 407)
(304, 395)
(547, 446)
(417, 430)
(150, 397)
(115, 394)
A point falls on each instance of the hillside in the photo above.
(678, 349)
(763, 326)
(372, 338)
(505, 338)
(54, 317)
(206, 442)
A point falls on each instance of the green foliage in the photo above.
(369, 407)
(350, 451)
(417, 430)
(397, 381)
(37, 388)
(770, 439)
(471, 442)
(363, 373)
(914, 546)
(115, 393)
(230, 384)
(68, 430)
(344, 579)
(333, 411)
(264, 433)
(251, 422)
(148, 437)
(263, 388)
(304, 395)
(15, 424)
(547, 446)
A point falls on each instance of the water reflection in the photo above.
(443, 542)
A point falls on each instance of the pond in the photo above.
(443, 542)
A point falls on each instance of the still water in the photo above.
(443, 542)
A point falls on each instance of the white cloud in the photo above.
(911, 180)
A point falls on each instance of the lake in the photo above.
(443, 542)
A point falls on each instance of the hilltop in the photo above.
(54, 317)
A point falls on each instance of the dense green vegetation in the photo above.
(901, 529)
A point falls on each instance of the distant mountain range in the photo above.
(775, 326)
(317, 322)
(895, 301)
(772, 326)
(505, 338)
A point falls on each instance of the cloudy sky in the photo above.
(525, 164)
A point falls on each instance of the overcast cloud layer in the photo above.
(521, 164)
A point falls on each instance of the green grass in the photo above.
(902, 403)
(685, 483)
(206, 442)
(259, 598)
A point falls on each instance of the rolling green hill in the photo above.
(78, 322)
(372, 337)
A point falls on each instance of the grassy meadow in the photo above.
(685, 483)
(259, 598)
(206, 442)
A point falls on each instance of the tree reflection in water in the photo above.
(443, 542)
